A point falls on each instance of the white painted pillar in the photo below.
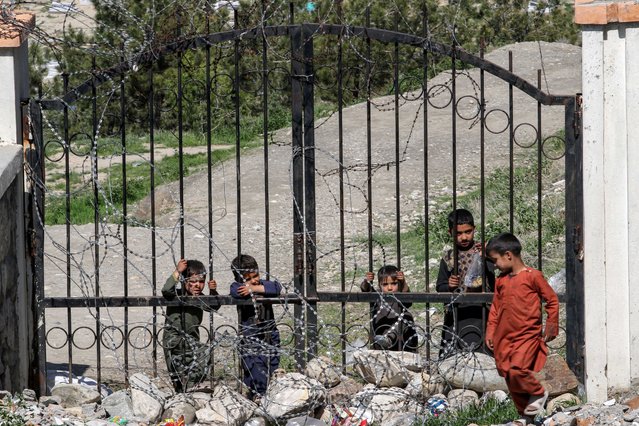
(610, 62)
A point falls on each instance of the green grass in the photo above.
(107, 146)
(110, 198)
(8, 415)
(488, 412)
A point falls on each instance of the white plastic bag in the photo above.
(473, 277)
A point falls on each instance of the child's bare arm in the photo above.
(367, 283)
(212, 287)
(266, 288)
(401, 279)
(446, 281)
(247, 289)
(179, 268)
(169, 291)
(453, 282)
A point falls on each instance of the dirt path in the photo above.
(562, 71)
(58, 19)
(82, 164)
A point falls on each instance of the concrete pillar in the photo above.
(16, 335)
(610, 62)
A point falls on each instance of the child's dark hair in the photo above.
(386, 271)
(242, 264)
(460, 217)
(504, 242)
(193, 267)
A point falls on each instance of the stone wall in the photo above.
(15, 313)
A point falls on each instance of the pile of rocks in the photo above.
(398, 391)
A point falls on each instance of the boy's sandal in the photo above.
(536, 404)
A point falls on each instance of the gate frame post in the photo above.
(574, 238)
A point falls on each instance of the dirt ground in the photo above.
(562, 70)
(55, 18)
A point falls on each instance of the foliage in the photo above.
(488, 412)
(8, 414)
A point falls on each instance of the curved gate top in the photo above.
(382, 145)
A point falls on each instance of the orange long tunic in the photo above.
(515, 321)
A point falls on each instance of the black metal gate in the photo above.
(86, 118)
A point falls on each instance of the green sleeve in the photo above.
(168, 291)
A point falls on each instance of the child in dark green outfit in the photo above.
(186, 358)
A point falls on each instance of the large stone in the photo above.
(432, 384)
(56, 377)
(474, 371)
(72, 395)
(344, 391)
(498, 395)
(147, 399)
(409, 360)
(201, 399)
(556, 377)
(423, 385)
(384, 403)
(50, 399)
(256, 421)
(118, 404)
(293, 394)
(561, 402)
(409, 419)
(324, 371)
(180, 405)
(98, 422)
(226, 407)
(74, 412)
(462, 398)
(415, 386)
(93, 411)
(304, 421)
(29, 395)
(386, 368)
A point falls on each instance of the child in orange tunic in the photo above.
(514, 329)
